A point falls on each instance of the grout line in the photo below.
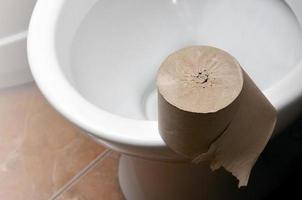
(77, 177)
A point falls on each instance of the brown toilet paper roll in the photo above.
(210, 110)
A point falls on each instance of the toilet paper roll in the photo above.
(210, 110)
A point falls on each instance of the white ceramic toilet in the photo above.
(95, 61)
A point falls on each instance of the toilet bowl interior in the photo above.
(110, 50)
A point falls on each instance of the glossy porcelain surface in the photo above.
(95, 61)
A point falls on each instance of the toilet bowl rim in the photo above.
(72, 105)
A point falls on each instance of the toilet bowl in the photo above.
(95, 62)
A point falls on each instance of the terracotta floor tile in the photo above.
(100, 183)
(39, 150)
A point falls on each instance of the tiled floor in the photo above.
(43, 156)
(99, 183)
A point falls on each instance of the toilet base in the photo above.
(152, 180)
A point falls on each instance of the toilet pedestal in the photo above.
(153, 180)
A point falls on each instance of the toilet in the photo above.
(95, 62)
